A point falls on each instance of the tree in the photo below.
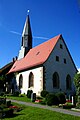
(77, 80)
(2, 81)
(77, 85)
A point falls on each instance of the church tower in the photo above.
(26, 43)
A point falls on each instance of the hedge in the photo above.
(52, 99)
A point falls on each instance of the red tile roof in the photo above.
(36, 56)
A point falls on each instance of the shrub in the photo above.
(8, 103)
(29, 92)
(2, 93)
(78, 103)
(68, 106)
(39, 97)
(44, 93)
(51, 99)
(2, 106)
(61, 98)
(6, 92)
(22, 95)
(79, 99)
(8, 112)
(16, 93)
(76, 98)
(43, 102)
(2, 101)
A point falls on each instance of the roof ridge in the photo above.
(60, 35)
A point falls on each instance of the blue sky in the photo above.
(48, 18)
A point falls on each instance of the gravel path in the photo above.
(49, 108)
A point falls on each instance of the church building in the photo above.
(48, 66)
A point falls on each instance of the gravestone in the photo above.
(33, 97)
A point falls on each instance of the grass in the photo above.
(32, 113)
(24, 99)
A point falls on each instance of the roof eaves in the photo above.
(25, 68)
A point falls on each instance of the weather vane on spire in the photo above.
(28, 12)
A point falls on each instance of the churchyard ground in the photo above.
(33, 113)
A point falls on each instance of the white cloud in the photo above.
(14, 32)
(40, 37)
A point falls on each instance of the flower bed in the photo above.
(38, 101)
(68, 106)
(15, 108)
(7, 109)
(68, 101)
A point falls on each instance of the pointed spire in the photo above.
(27, 28)
(26, 44)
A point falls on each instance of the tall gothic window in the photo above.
(55, 80)
(20, 81)
(68, 82)
(31, 80)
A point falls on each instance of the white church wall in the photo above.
(38, 80)
(51, 66)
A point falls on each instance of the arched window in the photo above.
(31, 80)
(55, 80)
(20, 81)
(68, 82)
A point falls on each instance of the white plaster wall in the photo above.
(21, 53)
(38, 80)
(51, 66)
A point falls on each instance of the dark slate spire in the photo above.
(27, 27)
(26, 44)
(27, 35)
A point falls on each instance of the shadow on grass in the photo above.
(12, 116)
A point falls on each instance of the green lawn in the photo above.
(31, 113)
(24, 99)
